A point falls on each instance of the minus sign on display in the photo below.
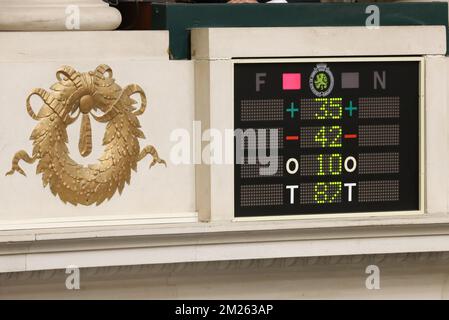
(292, 138)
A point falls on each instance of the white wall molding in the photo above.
(80, 46)
(229, 266)
(226, 43)
(402, 276)
(196, 242)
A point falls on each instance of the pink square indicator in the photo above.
(291, 81)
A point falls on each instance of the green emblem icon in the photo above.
(321, 80)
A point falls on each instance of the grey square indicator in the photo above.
(349, 80)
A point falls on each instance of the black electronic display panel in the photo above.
(330, 137)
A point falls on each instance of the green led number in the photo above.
(320, 195)
(327, 192)
(333, 162)
(336, 142)
(331, 108)
(335, 170)
(335, 132)
(337, 190)
(320, 137)
(335, 104)
(323, 109)
(320, 163)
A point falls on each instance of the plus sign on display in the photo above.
(326, 137)
(292, 110)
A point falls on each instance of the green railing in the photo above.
(180, 18)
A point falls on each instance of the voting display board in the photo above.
(326, 137)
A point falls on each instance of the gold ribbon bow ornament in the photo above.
(86, 94)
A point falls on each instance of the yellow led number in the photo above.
(333, 162)
(329, 136)
(327, 192)
(331, 108)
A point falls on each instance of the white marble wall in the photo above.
(31, 60)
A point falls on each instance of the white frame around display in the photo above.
(216, 50)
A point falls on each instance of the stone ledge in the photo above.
(67, 46)
(227, 43)
(197, 242)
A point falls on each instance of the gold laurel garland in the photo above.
(78, 93)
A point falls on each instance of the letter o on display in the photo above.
(353, 165)
(296, 166)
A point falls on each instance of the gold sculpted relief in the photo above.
(92, 94)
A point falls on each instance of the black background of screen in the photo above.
(402, 81)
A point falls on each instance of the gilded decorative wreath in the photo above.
(78, 93)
